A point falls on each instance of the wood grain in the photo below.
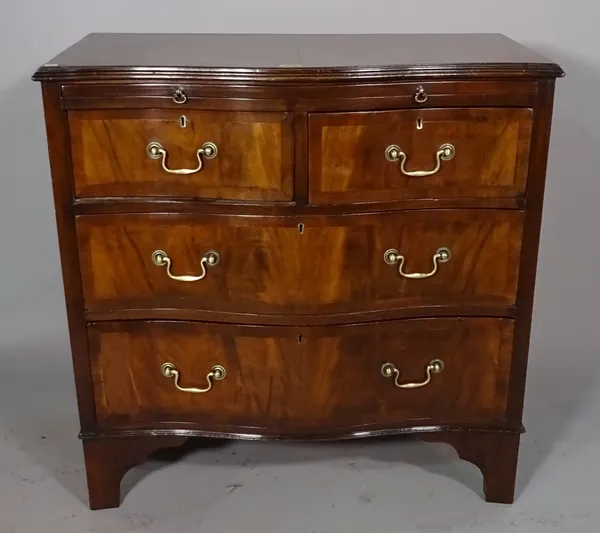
(268, 267)
(254, 161)
(298, 97)
(301, 378)
(348, 164)
(531, 240)
(58, 151)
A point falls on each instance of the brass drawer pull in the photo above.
(391, 257)
(421, 96)
(394, 153)
(434, 367)
(160, 258)
(179, 96)
(217, 373)
(156, 151)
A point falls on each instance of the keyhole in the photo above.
(301, 228)
(183, 121)
(419, 123)
(299, 339)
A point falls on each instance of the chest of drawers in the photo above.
(298, 237)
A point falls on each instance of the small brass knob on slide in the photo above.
(179, 96)
(421, 96)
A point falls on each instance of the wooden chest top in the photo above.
(274, 57)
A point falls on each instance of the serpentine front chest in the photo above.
(285, 237)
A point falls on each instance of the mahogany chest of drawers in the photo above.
(298, 237)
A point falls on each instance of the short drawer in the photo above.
(383, 156)
(182, 153)
(300, 264)
(285, 380)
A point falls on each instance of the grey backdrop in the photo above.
(34, 357)
(31, 32)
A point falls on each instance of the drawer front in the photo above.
(301, 379)
(251, 157)
(418, 154)
(297, 265)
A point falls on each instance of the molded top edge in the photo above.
(295, 58)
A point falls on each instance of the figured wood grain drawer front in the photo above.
(252, 156)
(299, 379)
(297, 265)
(487, 156)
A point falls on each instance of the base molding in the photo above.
(189, 429)
(109, 458)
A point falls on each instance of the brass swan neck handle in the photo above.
(394, 153)
(161, 259)
(389, 370)
(217, 373)
(156, 151)
(392, 256)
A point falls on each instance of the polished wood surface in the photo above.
(298, 97)
(531, 237)
(62, 186)
(122, 454)
(348, 164)
(301, 379)
(254, 159)
(268, 266)
(361, 55)
(495, 454)
(303, 319)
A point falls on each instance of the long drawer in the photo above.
(300, 265)
(308, 379)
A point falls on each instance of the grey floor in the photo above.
(348, 487)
